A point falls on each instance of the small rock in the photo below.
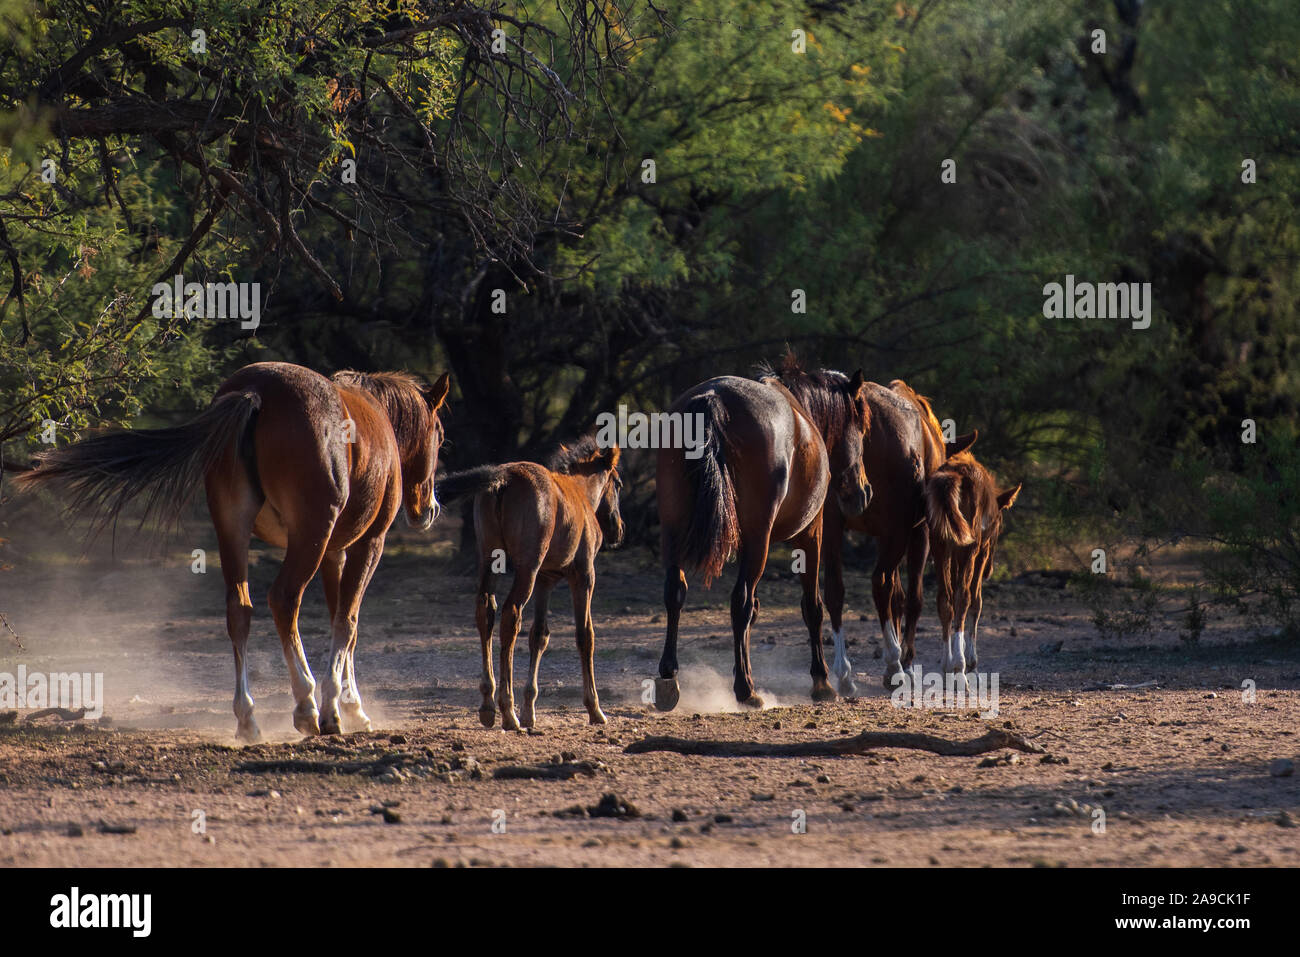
(1282, 768)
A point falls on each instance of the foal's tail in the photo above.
(458, 485)
(105, 472)
(714, 529)
(943, 508)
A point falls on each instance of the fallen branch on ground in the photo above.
(63, 714)
(993, 740)
(548, 772)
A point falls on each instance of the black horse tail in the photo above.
(714, 530)
(106, 471)
(458, 485)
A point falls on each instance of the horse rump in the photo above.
(943, 508)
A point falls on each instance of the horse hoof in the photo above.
(598, 717)
(330, 724)
(892, 678)
(822, 691)
(847, 688)
(307, 722)
(487, 716)
(356, 720)
(249, 733)
(667, 694)
(509, 721)
(755, 702)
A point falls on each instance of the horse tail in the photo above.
(714, 530)
(459, 485)
(105, 472)
(943, 508)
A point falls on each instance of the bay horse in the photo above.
(964, 517)
(549, 521)
(904, 446)
(767, 464)
(319, 467)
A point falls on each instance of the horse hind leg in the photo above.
(520, 592)
(358, 569)
(812, 609)
(234, 505)
(667, 691)
(883, 585)
(302, 557)
(485, 616)
(833, 575)
(742, 615)
(918, 550)
(539, 637)
(353, 717)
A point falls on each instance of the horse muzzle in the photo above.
(855, 500)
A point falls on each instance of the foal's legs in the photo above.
(358, 568)
(581, 583)
(810, 541)
(306, 549)
(522, 589)
(667, 692)
(539, 636)
(956, 658)
(977, 606)
(485, 616)
(234, 504)
(943, 599)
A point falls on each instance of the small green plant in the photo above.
(1123, 609)
(1194, 620)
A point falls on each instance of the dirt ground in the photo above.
(1178, 773)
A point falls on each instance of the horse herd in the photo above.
(321, 466)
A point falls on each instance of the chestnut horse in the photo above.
(767, 464)
(319, 467)
(964, 514)
(549, 521)
(904, 446)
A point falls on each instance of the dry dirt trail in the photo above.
(1180, 772)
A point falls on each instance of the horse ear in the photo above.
(857, 382)
(1007, 497)
(960, 444)
(612, 455)
(436, 394)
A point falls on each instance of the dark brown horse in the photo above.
(767, 463)
(549, 521)
(964, 514)
(904, 446)
(319, 467)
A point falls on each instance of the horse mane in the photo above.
(399, 394)
(563, 460)
(928, 418)
(824, 393)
